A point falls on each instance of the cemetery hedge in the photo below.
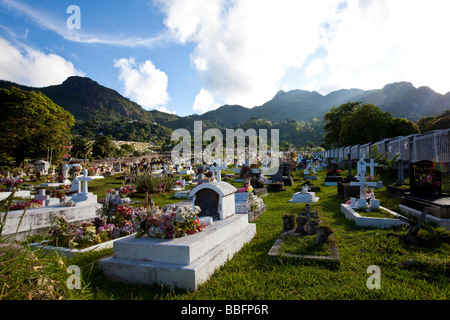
(407, 273)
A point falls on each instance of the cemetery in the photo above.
(247, 232)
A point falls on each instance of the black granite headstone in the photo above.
(425, 180)
(278, 177)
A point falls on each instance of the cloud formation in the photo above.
(144, 83)
(243, 49)
(32, 67)
(374, 42)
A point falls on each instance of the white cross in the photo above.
(217, 168)
(362, 176)
(65, 171)
(372, 166)
(85, 180)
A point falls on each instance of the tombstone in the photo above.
(217, 167)
(76, 185)
(425, 180)
(286, 174)
(42, 197)
(372, 166)
(215, 199)
(117, 167)
(333, 176)
(83, 194)
(41, 166)
(361, 203)
(277, 177)
(277, 183)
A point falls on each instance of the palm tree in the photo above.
(386, 166)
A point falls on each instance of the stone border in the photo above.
(361, 221)
(443, 223)
(275, 249)
(68, 253)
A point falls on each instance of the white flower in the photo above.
(152, 231)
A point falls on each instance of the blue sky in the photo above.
(191, 56)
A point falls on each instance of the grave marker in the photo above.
(425, 179)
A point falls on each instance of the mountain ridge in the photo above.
(88, 100)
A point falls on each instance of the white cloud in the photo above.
(373, 43)
(204, 102)
(32, 67)
(144, 83)
(243, 48)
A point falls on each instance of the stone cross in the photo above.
(85, 180)
(65, 171)
(217, 168)
(372, 165)
(362, 177)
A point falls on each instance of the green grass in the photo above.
(304, 245)
(375, 213)
(420, 272)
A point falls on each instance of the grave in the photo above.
(371, 165)
(277, 183)
(39, 220)
(333, 175)
(84, 195)
(310, 171)
(286, 174)
(188, 261)
(426, 190)
(81, 207)
(249, 204)
(304, 196)
(372, 222)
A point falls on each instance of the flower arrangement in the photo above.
(427, 180)
(123, 192)
(95, 232)
(246, 188)
(245, 172)
(169, 224)
(55, 193)
(369, 193)
(29, 205)
(11, 183)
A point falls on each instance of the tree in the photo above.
(402, 127)
(365, 124)
(103, 147)
(32, 124)
(333, 122)
(149, 183)
(431, 123)
(81, 147)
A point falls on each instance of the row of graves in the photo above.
(225, 213)
(422, 199)
(306, 229)
(76, 206)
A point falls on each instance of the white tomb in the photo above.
(183, 262)
(84, 196)
(304, 196)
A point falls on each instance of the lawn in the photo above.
(420, 272)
